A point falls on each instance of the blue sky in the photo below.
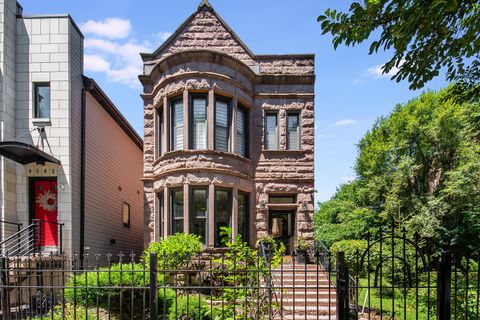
(350, 90)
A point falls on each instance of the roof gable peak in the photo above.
(204, 3)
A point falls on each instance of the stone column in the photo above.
(211, 120)
(186, 122)
(234, 212)
(211, 215)
(166, 125)
(233, 127)
(186, 209)
(166, 212)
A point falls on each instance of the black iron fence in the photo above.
(387, 276)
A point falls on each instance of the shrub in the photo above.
(174, 252)
(69, 312)
(190, 307)
(110, 286)
(351, 248)
(165, 300)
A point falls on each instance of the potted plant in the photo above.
(301, 250)
(266, 245)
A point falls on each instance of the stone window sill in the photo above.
(172, 154)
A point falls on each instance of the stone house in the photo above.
(228, 137)
(70, 164)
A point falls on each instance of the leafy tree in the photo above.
(420, 168)
(423, 36)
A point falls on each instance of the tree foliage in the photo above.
(418, 168)
(424, 36)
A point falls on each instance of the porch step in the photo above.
(304, 292)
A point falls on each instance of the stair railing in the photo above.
(29, 240)
(21, 243)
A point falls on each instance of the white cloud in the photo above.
(343, 122)
(163, 36)
(358, 82)
(347, 179)
(111, 51)
(121, 62)
(377, 72)
(95, 63)
(112, 28)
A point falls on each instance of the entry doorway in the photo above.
(280, 227)
(44, 210)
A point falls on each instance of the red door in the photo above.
(45, 193)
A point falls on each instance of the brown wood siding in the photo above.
(114, 167)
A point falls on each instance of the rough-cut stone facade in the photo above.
(205, 56)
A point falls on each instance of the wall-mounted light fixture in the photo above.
(304, 205)
(262, 204)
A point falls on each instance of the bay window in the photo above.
(199, 213)
(223, 213)
(198, 122)
(222, 125)
(242, 125)
(176, 211)
(293, 131)
(271, 131)
(176, 126)
(243, 206)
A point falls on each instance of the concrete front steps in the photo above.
(303, 291)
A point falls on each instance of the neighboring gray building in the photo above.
(57, 129)
(228, 137)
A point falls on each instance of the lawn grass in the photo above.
(405, 306)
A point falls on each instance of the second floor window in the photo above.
(222, 125)
(41, 107)
(271, 131)
(198, 122)
(293, 131)
(242, 138)
(176, 131)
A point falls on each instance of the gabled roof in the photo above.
(204, 6)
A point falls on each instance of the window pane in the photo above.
(126, 215)
(176, 213)
(243, 215)
(241, 132)
(293, 132)
(159, 129)
(177, 125)
(160, 213)
(222, 213)
(271, 131)
(199, 214)
(199, 127)
(222, 125)
(42, 100)
(282, 199)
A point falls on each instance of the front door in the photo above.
(45, 210)
(280, 228)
